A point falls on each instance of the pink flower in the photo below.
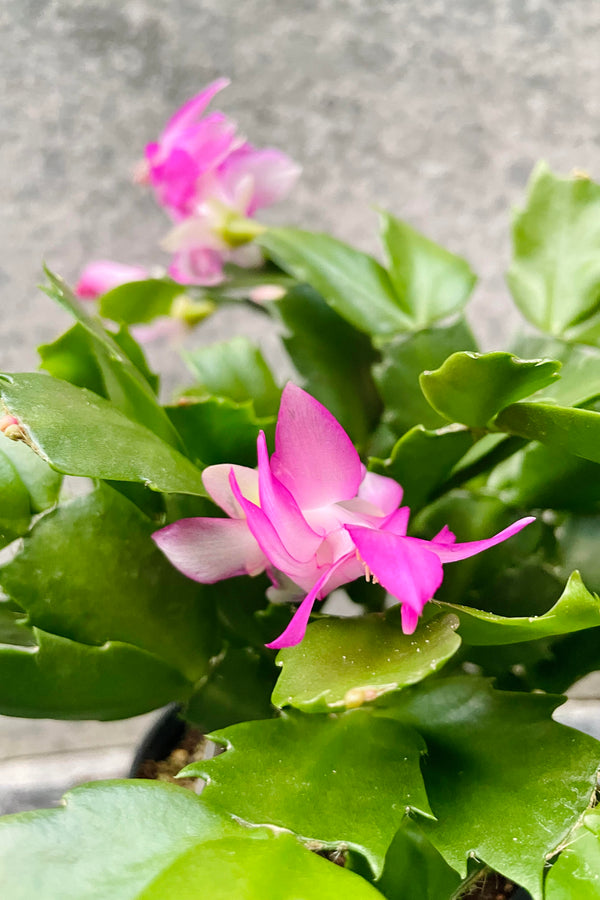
(103, 275)
(200, 158)
(313, 514)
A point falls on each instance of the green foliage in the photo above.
(575, 610)
(50, 677)
(414, 868)
(143, 839)
(473, 387)
(236, 370)
(41, 482)
(71, 358)
(432, 282)
(345, 780)
(346, 662)
(505, 782)
(354, 284)
(80, 433)
(333, 358)
(125, 385)
(543, 477)
(555, 273)
(217, 430)
(402, 361)
(140, 301)
(60, 578)
(575, 431)
(579, 380)
(15, 509)
(422, 460)
(576, 873)
(237, 689)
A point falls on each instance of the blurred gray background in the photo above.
(435, 110)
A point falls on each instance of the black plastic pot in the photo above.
(161, 740)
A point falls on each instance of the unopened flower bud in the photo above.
(265, 293)
(189, 311)
(6, 422)
(11, 428)
(355, 697)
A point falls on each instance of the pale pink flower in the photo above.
(313, 513)
(103, 275)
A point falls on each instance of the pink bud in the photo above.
(6, 422)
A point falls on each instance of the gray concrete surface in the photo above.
(435, 110)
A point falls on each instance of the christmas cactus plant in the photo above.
(273, 555)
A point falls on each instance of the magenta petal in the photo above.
(269, 541)
(449, 552)
(295, 631)
(381, 491)
(409, 617)
(314, 458)
(191, 111)
(282, 510)
(209, 550)
(444, 536)
(407, 570)
(397, 523)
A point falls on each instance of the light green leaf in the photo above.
(143, 840)
(575, 431)
(125, 385)
(345, 662)
(354, 284)
(555, 273)
(431, 281)
(422, 460)
(414, 868)
(575, 610)
(579, 379)
(15, 509)
(51, 677)
(506, 783)
(402, 361)
(217, 430)
(71, 358)
(42, 482)
(135, 354)
(576, 873)
(473, 387)
(80, 433)
(90, 571)
(235, 369)
(347, 779)
(333, 358)
(140, 301)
